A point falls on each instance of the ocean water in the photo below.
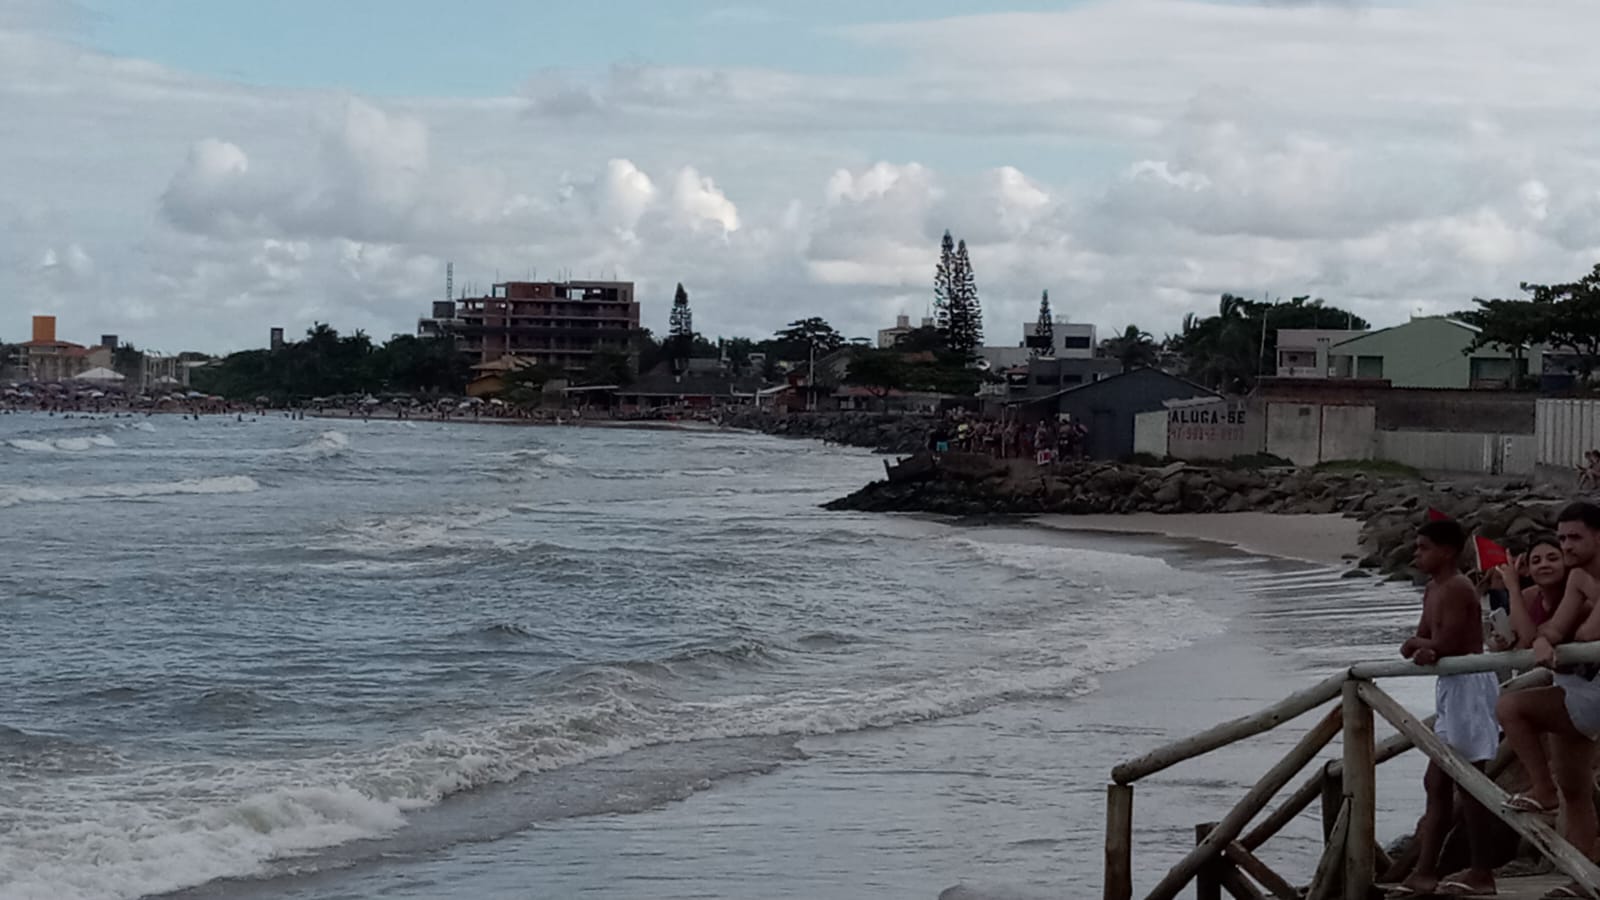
(332, 659)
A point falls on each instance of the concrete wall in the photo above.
(1485, 454)
(1308, 433)
(1412, 409)
(1347, 432)
(1150, 433)
(1294, 432)
(1565, 430)
(1216, 430)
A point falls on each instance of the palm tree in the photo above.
(1134, 348)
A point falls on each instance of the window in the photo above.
(1072, 379)
(1075, 342)
(1369, 367)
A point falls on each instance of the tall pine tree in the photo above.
(681, 336)
(1044, 332)
(963, 328)
(944, 285)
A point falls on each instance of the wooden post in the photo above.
(1360, 789)
(1119, 842)
(1228, 732)
(1332, 799)
(1247, 808)
(1392, 746)
(1276, 884)
(1326, 880)
(1207, 881)
(1238, 886)
(1538, 832)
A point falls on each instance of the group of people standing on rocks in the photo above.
(1043, 441)
(1546, 596)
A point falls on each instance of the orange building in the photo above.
(47, 359)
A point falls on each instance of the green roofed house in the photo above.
(1431, 352)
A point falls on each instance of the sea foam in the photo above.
(12, 495)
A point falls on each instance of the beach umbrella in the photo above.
(100, 373)
(497, 402)
(96, 395)
(195, 395)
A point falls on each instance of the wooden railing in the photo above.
(1223, 857)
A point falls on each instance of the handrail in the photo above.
(1353, 839)
(1305, 700)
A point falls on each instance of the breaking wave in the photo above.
(64, 445)
(13, 495)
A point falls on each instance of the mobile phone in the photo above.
(1500, 621)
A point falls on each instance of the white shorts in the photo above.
(1582, 697)
(1467, 719)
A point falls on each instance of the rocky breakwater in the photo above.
(883, 432)
(1391, 508)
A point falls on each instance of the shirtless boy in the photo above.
(1452, 625)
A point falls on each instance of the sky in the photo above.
(188, 173)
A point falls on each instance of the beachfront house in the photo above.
(1426, 352)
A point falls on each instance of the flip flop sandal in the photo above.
(1566, 892)
(1400, 891)
(1462, 889)
(1524, 803)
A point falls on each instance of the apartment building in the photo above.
(558, 324)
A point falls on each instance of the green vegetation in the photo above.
(327, 364)
(1229, 350)
(1134, 348)
(956, 306)
(1564, 317)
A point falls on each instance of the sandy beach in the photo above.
(1328, 539)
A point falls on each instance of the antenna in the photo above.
(449, 280)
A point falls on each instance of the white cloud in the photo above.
(1136, 157)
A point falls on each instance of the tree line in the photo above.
(1227, 350)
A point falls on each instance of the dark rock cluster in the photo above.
(1390, 508)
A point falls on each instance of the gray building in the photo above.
(1051, 375)
(1108, 407)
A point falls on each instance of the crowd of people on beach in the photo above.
(1043, 441)
(1541, 598)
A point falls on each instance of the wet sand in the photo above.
(1329, 539)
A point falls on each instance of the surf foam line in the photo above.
(243, 820)
(14, 495)
(67, 445)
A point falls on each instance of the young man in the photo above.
(1452, 625)
(1568, 711)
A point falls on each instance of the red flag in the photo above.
(1436, 516)
(1490, 554)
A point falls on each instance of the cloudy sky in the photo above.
(188, 173)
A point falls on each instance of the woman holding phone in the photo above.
(1532, 606)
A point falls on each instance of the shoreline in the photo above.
(1330, 539)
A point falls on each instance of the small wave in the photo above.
(144, 426)
(27, 445)
(400, 534)
(66, 445)
(742, 652)
(28, 752)
(826, 639)
(13, 495)
(504, 631)
(723, 472)
(323, 446)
